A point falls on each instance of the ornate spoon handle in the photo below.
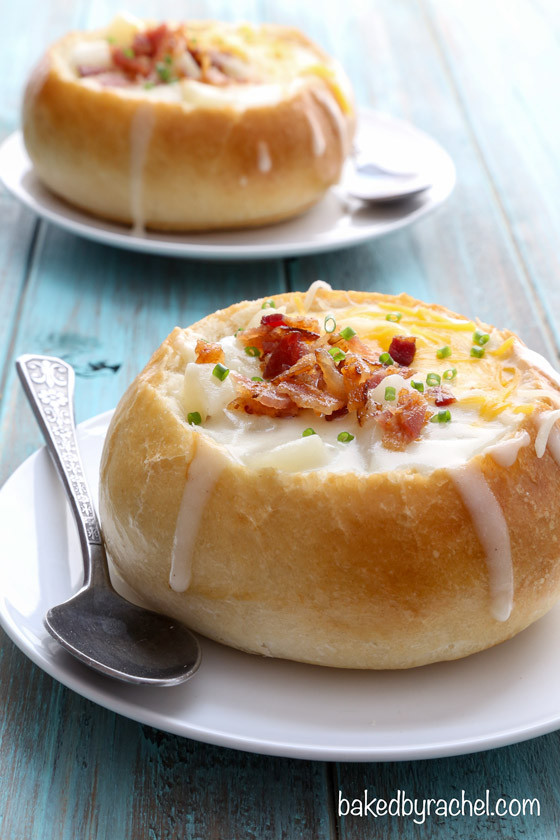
(49, 386)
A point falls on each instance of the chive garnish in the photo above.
(433, 379)
(148, 85)
(329, 324)
(268, 304)
(253, 351)
(345, 437)
(477, 352)
(443, 416)
(163, 70)
(419, 386)
(390, 393)
(128, 52)
(450, 373)
(237, 331)
(220, 371)
(337, 354)
(443, 352)
(257, 379)
(194, 418)
(386, 359)
(347, 333)
(393, 316)
(480, 338)
(308, 431)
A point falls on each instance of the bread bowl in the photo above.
(194, 126)
(419, 523)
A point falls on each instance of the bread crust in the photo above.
(171, 166)
(381, 570)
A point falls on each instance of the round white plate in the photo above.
(506, 694)
(335, 222)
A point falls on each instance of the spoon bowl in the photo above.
(122, 640)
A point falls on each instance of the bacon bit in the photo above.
(403, 349)
(306, 396)
(208, 353)
(440, 395)
(340, 412)
(287, 352)
(370, 351)
(403, 424)
(334, 380)
(275, 319)
(261, 398)
(139, 65)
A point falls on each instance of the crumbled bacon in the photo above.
(330, 375)
(208, 353)
(132, 65)
(261, 398)
(441, 396)
(287, 352)
(402, 424)
(403, 349)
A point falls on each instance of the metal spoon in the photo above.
(96, 625)
(368, 179)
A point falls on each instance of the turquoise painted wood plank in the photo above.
(504, 61)
(105, 311)
(514, 773)
(463, 255)
(71, 770)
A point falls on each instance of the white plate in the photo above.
(504, 695)
(336, 222)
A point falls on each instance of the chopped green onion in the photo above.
(450, 373)
(253, 351)
(220, 371)
(128, 52)
(110, 39)
(433, 379)
(480, 338)
(443, 416)
(308, 431)
(477, 352)
(164, 72)
(345, 437)
(443, 352)
(257, 379)
(194, 418)
(337, 354)
(237, 331)
(390, 393)
(329, 324)
(268, 304)
(419, 386)
(168, 59)
(393, 316)
(347, 333)
(149, 85)
(386, 359)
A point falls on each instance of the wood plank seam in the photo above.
(463, 107)
(28, 268)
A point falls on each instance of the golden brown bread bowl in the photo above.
(342, 478)
(193, 126)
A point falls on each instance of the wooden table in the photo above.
(481, 76)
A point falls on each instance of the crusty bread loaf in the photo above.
(189, 153)
(408, 558)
